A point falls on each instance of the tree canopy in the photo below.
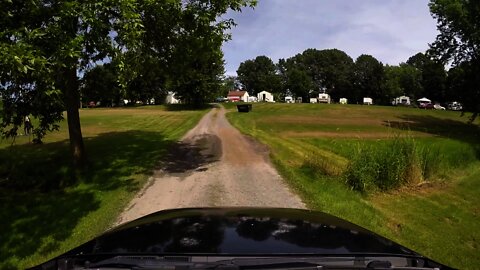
(46, 46)
(259, 74)
(458, 22)
(368, 79)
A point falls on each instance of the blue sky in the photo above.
(390, 30)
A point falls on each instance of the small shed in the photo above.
(343, 101)
(238, 95)
(265, 96)
(367, 101)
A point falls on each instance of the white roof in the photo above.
(424, 99)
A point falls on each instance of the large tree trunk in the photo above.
(72, 102)
(70, 86)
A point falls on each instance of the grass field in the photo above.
(436, 214)
(43, 213)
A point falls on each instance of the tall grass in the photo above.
(320, 164)
(386, 166)
(390, 163)
(399, 161)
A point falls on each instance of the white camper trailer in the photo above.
(402, 100)
(289, 99)
(324, 98)
(367, 101)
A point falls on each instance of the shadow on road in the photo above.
(192, 155)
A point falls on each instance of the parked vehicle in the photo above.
(439, 107)
(221, 99)
(426, 106)
(92, 104)
(455, 106)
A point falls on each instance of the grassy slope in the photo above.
(123, 146)
(440, 221)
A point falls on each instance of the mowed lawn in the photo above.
(438, 216)
(44, 213)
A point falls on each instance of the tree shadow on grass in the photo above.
(41, 204)
(447, 128)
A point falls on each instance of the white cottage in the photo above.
(265, 96)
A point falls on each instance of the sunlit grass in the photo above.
(434, 210)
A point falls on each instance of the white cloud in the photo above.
(390, 30)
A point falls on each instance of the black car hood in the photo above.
(240, 231)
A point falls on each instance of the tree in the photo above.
(229, 83)
(196, 65)
(402, 80)
(46, 44)
(368, 79)
(458, 22)
(433, 76)
(455, 83)
(299, 83)
(330, 70)
(391, 85)
(101, 84)
(295, 79)
(259, 74)
(410, 80)
(148, 82)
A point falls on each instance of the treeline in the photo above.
(335, 72)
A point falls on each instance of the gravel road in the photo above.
(213, 165)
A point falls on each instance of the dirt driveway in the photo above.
(213, 165)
